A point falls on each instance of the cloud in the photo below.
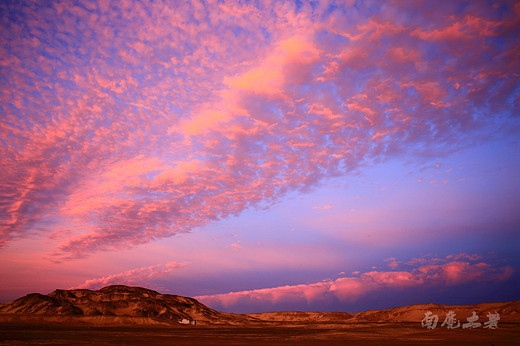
(393, 263)
(328, 206)
(125, 124)
(236, 246)
(139, 276)
(351, 289)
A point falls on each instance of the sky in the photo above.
(262, 155)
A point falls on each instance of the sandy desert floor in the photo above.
(326, 334)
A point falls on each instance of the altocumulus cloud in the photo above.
(125, 122)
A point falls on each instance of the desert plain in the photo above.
(121, 315)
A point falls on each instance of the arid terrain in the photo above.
(133, 315)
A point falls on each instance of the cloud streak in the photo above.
(139, 276)
(107, 140)
(432, 272)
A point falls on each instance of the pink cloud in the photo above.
(236, 246)
(350, 289)
(328, 206)
(139, 276)
(393, 263)
(473, 257)
(125, 124)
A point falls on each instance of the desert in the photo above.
(118, 315)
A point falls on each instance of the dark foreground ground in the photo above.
(342, 334)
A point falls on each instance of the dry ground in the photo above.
(265, 334)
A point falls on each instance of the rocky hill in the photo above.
(118, 300)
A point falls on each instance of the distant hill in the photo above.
(302, 316)
(120, 304)
(509, 312)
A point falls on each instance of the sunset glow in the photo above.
(264, 155)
